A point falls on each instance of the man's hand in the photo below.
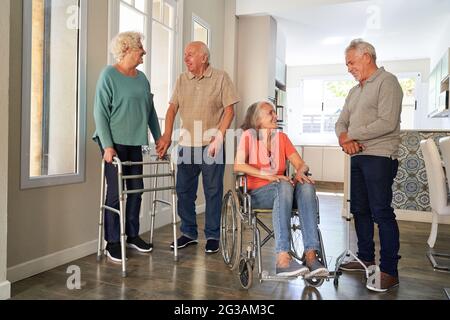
(109, 154)
(215, 145)
(343, 139)
(352, 147)
(163, 144)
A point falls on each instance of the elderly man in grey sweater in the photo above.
(368, 129)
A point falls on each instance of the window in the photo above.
(53, 96)
(409, 83)
(201, 30)
(322, 99)
(157, 21)
(322, 103)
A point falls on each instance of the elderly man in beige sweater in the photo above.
(368, 129)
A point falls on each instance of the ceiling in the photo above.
(317, 31)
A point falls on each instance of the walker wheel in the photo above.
(314, 282)
(336, 280)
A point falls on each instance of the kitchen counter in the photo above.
(410, 185)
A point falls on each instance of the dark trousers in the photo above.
(133, 203)
(371, 197)
(192, 162)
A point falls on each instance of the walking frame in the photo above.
(166, 161)
(348, 253)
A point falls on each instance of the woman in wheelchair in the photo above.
(262, 154)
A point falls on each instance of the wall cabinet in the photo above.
(437, 84)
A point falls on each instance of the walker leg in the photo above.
(101, 215)
(174, 213)
(153, 212)
(122, 220)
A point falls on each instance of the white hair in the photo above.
(203, 47)
(362, 47)
(124, 41)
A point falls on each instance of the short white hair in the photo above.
(124, 41)
(362, 47)
(203, 48)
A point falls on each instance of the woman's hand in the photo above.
(302, 175)
(279, 178)
(109, 154)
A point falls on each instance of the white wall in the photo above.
(5, 287)
(212, 12)
(421, 121)
(256, 60)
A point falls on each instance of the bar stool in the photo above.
(438, 195)
(122, 198)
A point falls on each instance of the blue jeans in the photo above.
(133, 203)
(371, 197)
(280, 197)
(192, 162)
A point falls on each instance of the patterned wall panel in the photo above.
(410, 186)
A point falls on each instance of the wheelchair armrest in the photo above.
(239, 174)
(240, 181)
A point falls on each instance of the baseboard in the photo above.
(413, 216)
(5, 290)
(33, 267)
(419, 216)
(42, 264)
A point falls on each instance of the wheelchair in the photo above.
(242, 250)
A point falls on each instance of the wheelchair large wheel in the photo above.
(230, 230)
(296, 237)
(245, 273)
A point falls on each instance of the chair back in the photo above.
(435, 175)
(444, 145)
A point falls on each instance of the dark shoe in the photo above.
(354, 265)
(139, 244)
(113, 251)
(381, 282)
(317, 269)
(183, 242)
(293, 269)
(212, 246)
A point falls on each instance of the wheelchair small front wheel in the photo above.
(245, 273)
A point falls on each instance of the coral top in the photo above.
(257, 155)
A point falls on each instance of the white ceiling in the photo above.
(317, 31)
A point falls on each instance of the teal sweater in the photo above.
(123, 109)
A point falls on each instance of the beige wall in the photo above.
(4, 99)
(43, 221)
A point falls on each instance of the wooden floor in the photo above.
(200, 276)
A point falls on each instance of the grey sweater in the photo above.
(371, 115)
